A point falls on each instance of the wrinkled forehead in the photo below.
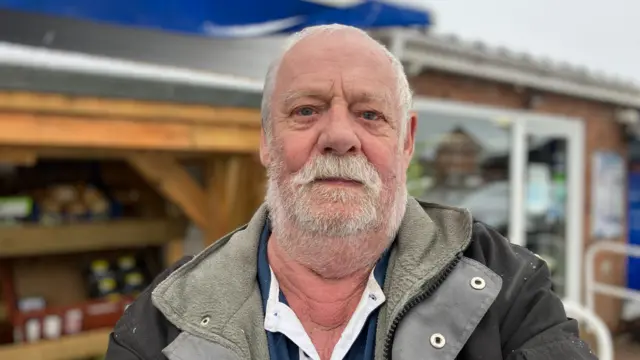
(344, 62)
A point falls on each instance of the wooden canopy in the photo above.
(157, 127)
(150, 124)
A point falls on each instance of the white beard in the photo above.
(334, 231)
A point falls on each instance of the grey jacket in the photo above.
(445, 299)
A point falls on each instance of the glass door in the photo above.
(547, 177)
(518, 172)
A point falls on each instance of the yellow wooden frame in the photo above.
(51, 120)
(153, 137)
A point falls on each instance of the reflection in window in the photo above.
(463, 161)
(546, 204)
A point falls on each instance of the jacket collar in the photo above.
(216, 296)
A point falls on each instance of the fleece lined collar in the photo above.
(216, 295)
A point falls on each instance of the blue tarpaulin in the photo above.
(229, 18)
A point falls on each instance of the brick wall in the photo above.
(602, 133)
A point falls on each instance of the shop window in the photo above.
(463, 161)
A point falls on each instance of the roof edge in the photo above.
(420, 50)
(73, 62)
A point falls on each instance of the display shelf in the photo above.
(83, 345)
(30, 240)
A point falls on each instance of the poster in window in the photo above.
(607, 195)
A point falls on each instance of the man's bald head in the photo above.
(337, 38)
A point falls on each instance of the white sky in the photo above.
(602, 36)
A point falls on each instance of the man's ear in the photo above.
(264, 149)
(410, 138)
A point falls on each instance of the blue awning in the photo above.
(230, 18)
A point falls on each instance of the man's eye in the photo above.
(371, 115)
(305, 111)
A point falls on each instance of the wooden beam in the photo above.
(126, 108)
(84, 345)
(174, 182)
(44, 240)
(90, 154)
(17, 156)
(30, 129)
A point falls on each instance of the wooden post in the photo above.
(258, 185)
(217, 198)
(231, 192)
(173, 251)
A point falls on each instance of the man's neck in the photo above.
(320, 303)
(331, 258)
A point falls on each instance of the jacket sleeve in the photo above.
(116, 350)
(540, 329)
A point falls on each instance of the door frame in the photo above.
(572, 131)
(523, 123)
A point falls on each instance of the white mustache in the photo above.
(351, 167)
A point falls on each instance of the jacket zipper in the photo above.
(429, 290)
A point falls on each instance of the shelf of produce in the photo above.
(83, 345)
(30, 240)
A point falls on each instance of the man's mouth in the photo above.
(336, 181)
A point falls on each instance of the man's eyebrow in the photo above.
(292, 96)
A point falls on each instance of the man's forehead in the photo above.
(340, 50)
(317, 67)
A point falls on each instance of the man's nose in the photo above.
(338, 134)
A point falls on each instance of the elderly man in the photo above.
(339, 263)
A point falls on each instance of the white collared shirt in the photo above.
(280, 318)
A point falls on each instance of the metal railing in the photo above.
(594, 287)
(604, 340)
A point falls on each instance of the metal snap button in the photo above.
(478, 283)
(205, 321)
(437, 341)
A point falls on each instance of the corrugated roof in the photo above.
(451, 53)
(482, 51)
